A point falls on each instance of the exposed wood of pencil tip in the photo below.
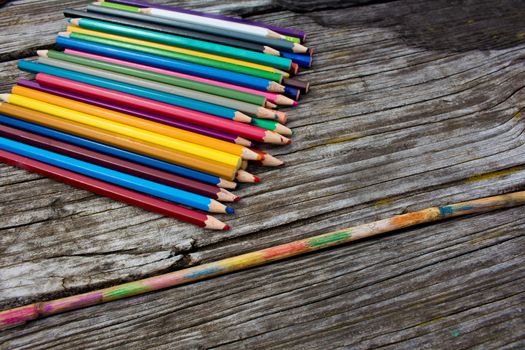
(265, 113)
(274, 35)
(248, 154)
(283, 100)
(226, 196)
(298, 48)
(283, 130)
(271, 51)
(241, 117)
(275, 138)
(281, 117)
(270, 105)
(275, 87)
(217, 207)
(42, 53)
(223, 183)
(244, 176)
(243, 142)
(213, 223)
(270, 160)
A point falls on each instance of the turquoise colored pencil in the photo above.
(21, 315)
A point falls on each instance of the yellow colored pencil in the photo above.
(188, 136)
(123, 129)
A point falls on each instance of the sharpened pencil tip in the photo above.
(256, 179)
(4, 97)
(236, 199)
(229, 210)
(226, 228)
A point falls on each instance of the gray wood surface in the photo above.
(414, 104)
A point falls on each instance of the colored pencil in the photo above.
(281, 45)
(130, 52)
(217, 23)
(116, 164)
(190, 56)
(243, 152)
(270, 96)
(268, 159)
(147, 80)
(285, 31)
(43, 119)
(115, 192)
(134, 132)
(292, 92)
(130, 144)
(298, 84)
(278, 62)
(183, 102)
(118, 178)
(137, 20)
(272, 126)
(249, 98)
(198, 57)
(212, 22)
(138, 113)
(241, 129)
(301, 59)
(21, 315)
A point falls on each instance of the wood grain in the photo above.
(392, 124)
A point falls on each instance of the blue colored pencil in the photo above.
(171, 64)
(301, 59)
(115, 177)
(292, 92)
(116, 152)
(175, 100)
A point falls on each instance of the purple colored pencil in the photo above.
(285, 31)
(137, 113)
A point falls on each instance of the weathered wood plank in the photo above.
(471, 276)
(391, 125)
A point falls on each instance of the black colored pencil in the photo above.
(302, 85)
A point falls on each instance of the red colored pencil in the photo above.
(115, 192)
(241, 129)
(117, 164)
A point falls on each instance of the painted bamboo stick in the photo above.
(21, 315)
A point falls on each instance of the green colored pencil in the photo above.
(272, 125)
(187, 43)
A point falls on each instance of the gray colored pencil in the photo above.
(239, 106)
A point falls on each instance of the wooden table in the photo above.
(414, 104)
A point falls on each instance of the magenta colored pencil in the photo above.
(271, 97)
(137, 113)
(285, 31)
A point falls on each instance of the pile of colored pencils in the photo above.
(155, 106)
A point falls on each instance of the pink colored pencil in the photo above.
(271, 97)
